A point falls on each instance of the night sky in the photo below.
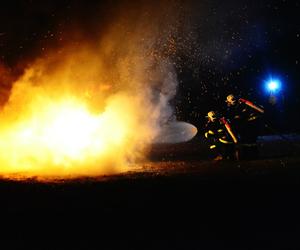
(222, 47)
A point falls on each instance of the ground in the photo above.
(178, 200)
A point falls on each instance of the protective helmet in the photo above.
(230, 99)
(211, 115)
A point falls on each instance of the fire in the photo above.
(56, 124)
(91, 105)
(67, 138)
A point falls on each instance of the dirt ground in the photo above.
(178, 200)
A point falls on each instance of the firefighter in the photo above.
(245, 118)
(220, 137)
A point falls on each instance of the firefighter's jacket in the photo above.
(218, 132)
(243, 111)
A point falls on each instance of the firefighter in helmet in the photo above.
(244, 116)
(220, 137)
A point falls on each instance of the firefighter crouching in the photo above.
(220, 137)
(245, 117)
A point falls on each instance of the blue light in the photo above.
(273, 85)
